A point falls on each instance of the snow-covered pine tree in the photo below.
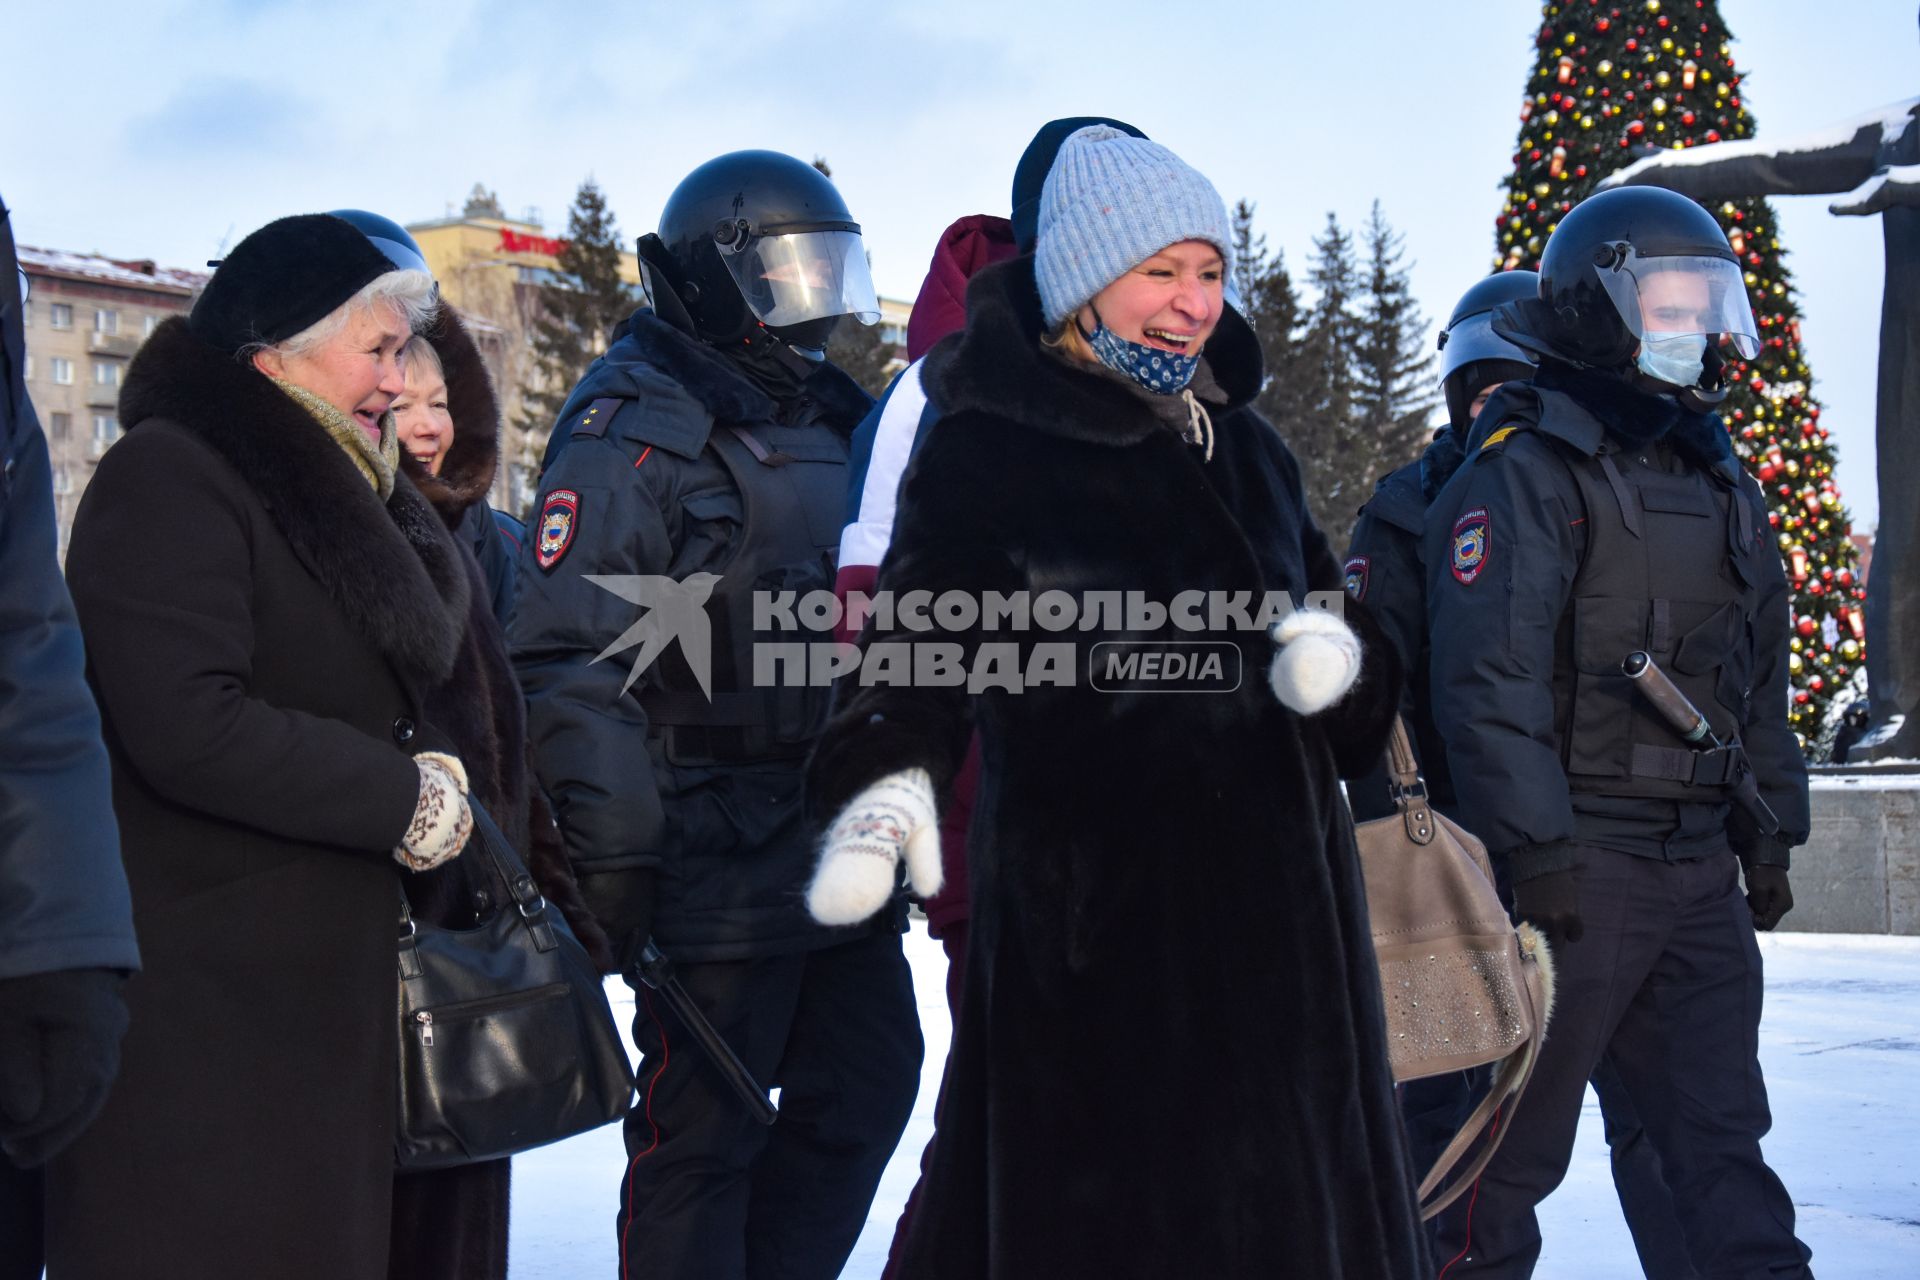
(1610, 80)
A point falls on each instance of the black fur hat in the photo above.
(283, 278)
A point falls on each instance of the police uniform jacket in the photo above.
(1590, 521)
(1386, 571)
(668, 463)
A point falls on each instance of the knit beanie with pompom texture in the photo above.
(1111, 202)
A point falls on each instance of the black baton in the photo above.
(1678, 710)
(657, 972)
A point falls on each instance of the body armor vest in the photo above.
(1670, 567)
(792, 489)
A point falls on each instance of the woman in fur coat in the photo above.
(1170, 1058)
(301, 685)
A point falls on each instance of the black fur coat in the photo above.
(269, 643)
(1170, 1057)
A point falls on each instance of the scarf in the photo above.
(378, 463)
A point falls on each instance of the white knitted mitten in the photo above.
(890, 821)
(442, 820)
(1318, 661)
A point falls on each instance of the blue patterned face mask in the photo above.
(1162, 372)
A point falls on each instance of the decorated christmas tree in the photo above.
(1611, 79)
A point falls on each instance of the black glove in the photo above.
(1769, 896)
(59, 1051)
(1551, 904)
(622, 901)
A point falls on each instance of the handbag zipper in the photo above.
(425, 1018)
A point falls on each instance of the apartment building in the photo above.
(86, 315)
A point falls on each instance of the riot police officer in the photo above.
(1386, 567)
(702, 459)
(1601, 513)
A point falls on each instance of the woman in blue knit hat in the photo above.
(1170, 1058)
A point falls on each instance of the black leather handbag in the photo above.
(506, 1039)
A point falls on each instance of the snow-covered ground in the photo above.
(1840, 1045)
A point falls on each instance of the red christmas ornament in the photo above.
(1806, 627)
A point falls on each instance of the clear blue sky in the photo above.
(165, 129)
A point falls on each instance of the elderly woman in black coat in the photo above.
(301, 686)
(1170, 1058)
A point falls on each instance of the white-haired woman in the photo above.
(268, 606)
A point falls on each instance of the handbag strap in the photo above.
(527, 899)
(1409, 789)
(1509, 1084)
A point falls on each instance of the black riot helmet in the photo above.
(388, 236)
(756, 248)
(1640, 281)
(1472, 356)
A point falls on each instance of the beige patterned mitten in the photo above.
(442, 820)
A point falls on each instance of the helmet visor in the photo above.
(805, 275)
(1473, 340)
(1682, 294)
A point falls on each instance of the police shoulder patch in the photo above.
(1357, 567)
(1498, 436)
(1472, 542)
(559, 521)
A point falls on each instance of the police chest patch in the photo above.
(1357, 567)
(559, 519)
(1472, 539)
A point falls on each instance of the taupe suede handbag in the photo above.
(1463, 985)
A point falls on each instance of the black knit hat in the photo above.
(1030, 175)
(284, 278)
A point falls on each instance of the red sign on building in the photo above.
(523, 242)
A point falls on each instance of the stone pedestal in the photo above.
(1860, 870)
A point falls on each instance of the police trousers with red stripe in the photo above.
(1666, 982)
(710, 1192)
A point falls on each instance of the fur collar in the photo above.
(394, 571)
(998, 366)
(466, 476)
(1637, 417)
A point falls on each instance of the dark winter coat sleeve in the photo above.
(1779, 766)
(160, 568)
(589, 736)
(1493, 648)
(494, 553)
(63, 895)
(943, 540)
(1384, 575)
